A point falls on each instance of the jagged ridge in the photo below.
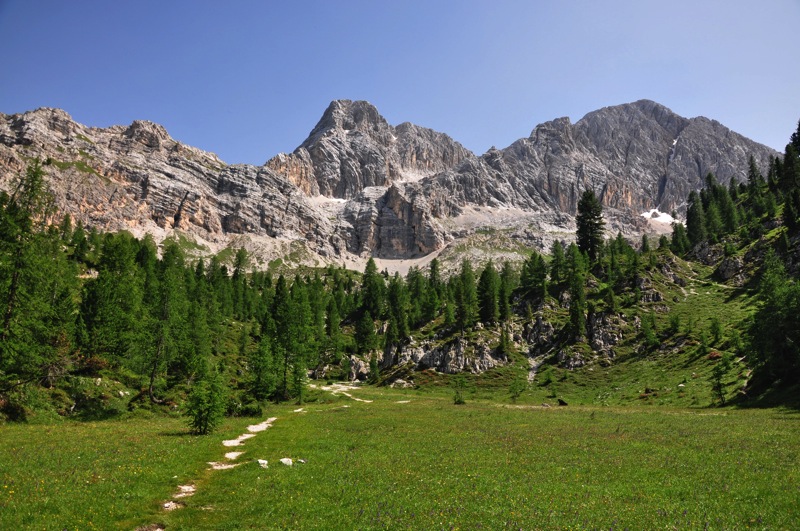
(359, 186)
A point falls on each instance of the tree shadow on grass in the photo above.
(176, 433)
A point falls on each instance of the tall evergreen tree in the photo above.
(558, 271)
(372, 290)
(488, 294)
(466, 297)
(680, 243)
(533, 278)
(365, 337)
(507, 286)
(695, 220)
(590, 225)
(790, 176)
(168, 328)
(37, 287)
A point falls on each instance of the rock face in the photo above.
(451, 358)
(360, 186)
(353, 148)
(635, 157)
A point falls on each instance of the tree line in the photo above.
(80, 302)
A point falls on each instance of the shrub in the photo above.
(206, 404)
(459, 385)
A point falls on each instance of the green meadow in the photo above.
(414, 460)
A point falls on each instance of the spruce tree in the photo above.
(263, 372)
(576, 279)
(372, 290)
(590, 225)
(695, 220)
(206, 404)
(557, 263)
(365, 337)
(466, 297)
(507, 285)
(38, 287)
(488, 294)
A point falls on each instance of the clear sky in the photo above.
(249, 79)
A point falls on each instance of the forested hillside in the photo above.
(97, 325)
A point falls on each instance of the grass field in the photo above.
(425, 464)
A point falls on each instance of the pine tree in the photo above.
(713, 223)
(794, 140)
(790, 176)
(372, 290)
(576, 279)
(398, 303)
(590, 225)
(263, 372)
(533, 278)
(38, 287)
(332, 327)
(507, 285)
(558, 263)
(206, 404)
(488, 294)
(365, 337)
(645, 244)
(167, 328)
(695, 220)
(775, 326)
(466, 298)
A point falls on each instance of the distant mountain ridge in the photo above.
(359, 186)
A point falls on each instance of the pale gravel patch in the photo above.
(185, 491)
(233, 455)
(171, 505)
(403, 402)
(337, 388)
(255, 428)
(222, 466)
(238, 440)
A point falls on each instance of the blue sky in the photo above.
(247, 80)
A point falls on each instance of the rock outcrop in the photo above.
(453, 357)
(353, 147)
(360, 186)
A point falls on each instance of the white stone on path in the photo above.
(255, 428)
(185, 490)
(263, 463)
(238, 440)
(222, 466)
(171, 505)
(233, 455)
(286, 461)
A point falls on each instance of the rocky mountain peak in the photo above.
(350, 115)
(149, 134)
(353, 147)
(360, 186)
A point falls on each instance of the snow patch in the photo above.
(656, 215)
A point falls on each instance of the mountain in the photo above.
(358, 186)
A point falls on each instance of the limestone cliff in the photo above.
(359, 186)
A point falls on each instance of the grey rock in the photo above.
(359, 370)
(360, 186)
(450, 358)
(730, 267)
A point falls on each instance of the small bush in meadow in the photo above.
(206, 404)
